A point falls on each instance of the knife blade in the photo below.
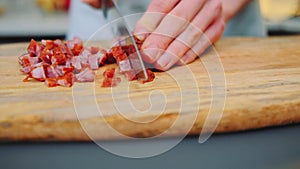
(135, 60)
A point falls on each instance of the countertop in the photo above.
(272, 148)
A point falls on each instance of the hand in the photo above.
(178, 31)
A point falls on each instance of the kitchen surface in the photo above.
(242, 114)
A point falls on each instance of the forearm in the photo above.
(232, 7)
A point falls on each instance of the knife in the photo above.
(104, 7)
(136, 61)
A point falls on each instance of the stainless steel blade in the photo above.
(135, 60)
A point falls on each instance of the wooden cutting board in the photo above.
(262, 89)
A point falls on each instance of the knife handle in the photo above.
(104, 7)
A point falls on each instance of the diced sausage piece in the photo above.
(78, 48)
(45, 56)
(62, 70)
(109, 73)
(118, 53)
(78, 41)
(33, 60)
(39, 49)
(111, 82)
(76, 63)
(87, 75)
(26, 70)
(35, 48)
(31, 49)
(129, 49)
(110, 58)
(93, 61)
(68, 69)
(107, 58)
(58, 57)
(94, 50)
(38, 74)
(109, 78)
(67, 80)
(102, 60)
(125, 66)
(24, 61)
(27, 61)
(59, 70)
(50, 71)
(51, 82)
(151, 76)
(84, 57)
(130, 75)
(75, 45)
(58, 42)
(49, 44)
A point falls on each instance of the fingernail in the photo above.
(140, 37)
(151, 54)
(163, 61)
(141, 33)
(184, 58)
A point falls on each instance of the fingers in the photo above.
(157, 42)
(170, 27)
(153, 16)
(211, 35)
(188, 38)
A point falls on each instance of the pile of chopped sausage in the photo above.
(59, 63)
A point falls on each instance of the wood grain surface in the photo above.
(262, 89)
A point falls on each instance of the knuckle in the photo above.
(158, 67)
(222, 26)
(158, 4)
(178, 48)
(194, 33)
(180, 14)
(156, 40)
(160, 42)
(217, 6)
(191, 56)
(161, 6)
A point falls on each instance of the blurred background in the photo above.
(21, 20)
